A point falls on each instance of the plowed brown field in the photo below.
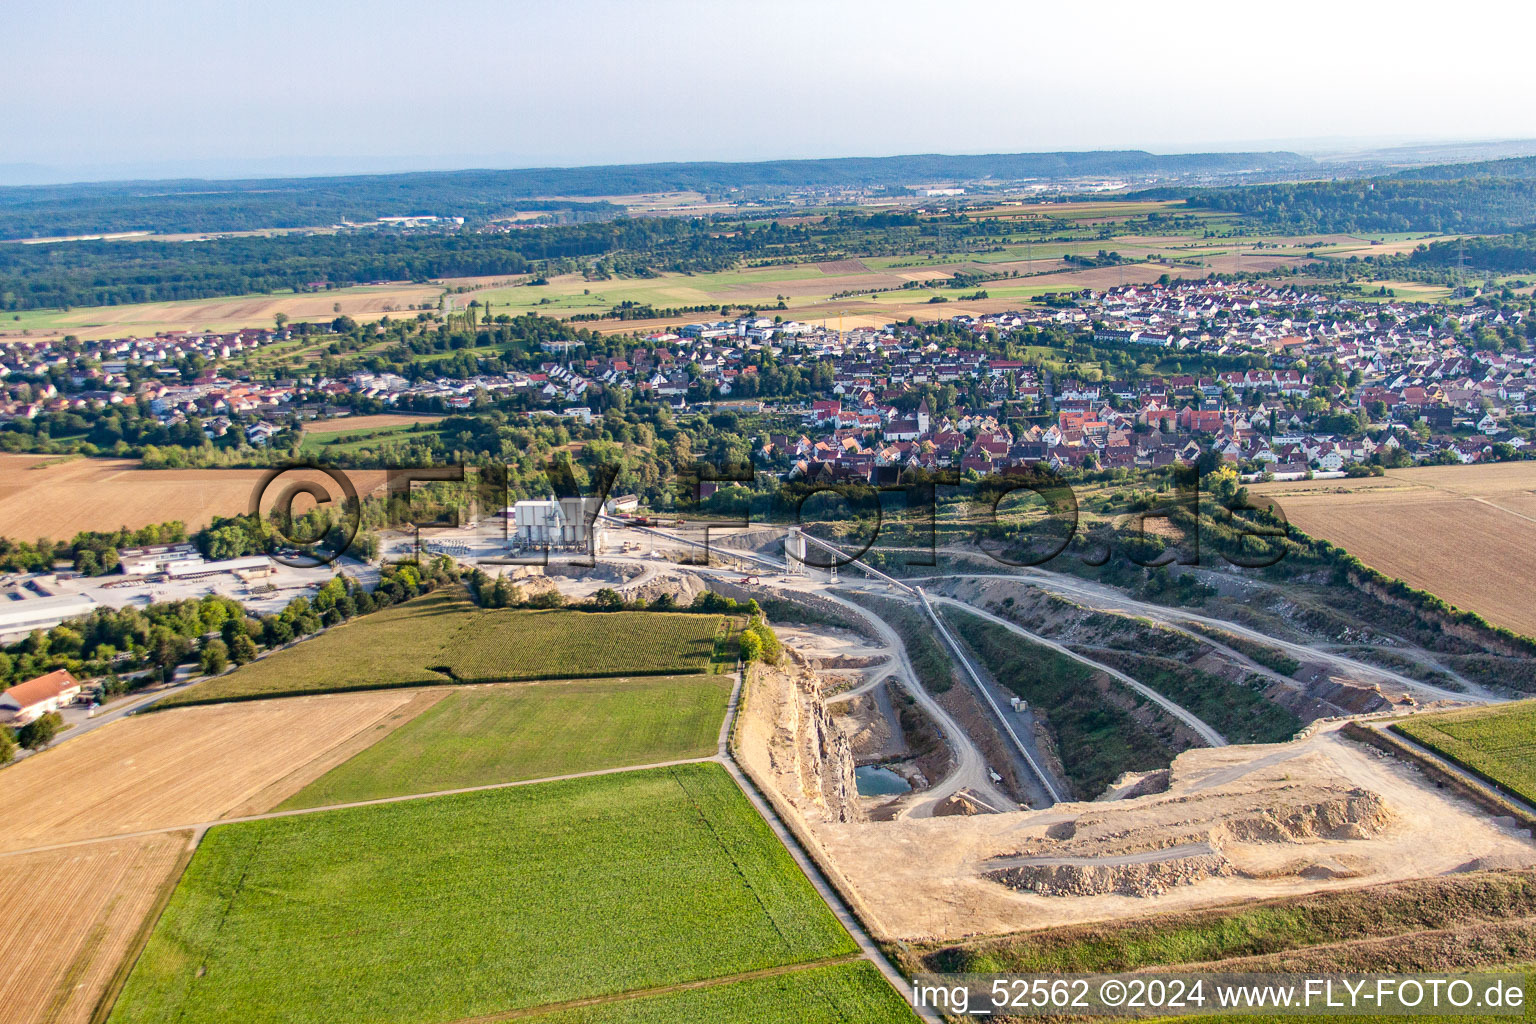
(1466, 534)
(191, 765)
(72, 917)
(43, 498)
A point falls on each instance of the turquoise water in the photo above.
(872, 780)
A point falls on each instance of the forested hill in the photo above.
(1516, 168)
(1476, 205)
(100, 272)
(195, 206)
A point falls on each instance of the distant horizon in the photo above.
(34, 174)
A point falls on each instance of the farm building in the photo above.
(34, 698)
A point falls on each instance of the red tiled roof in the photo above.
(35, 691)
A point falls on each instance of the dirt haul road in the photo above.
(1211, 737)
(970, 772)
(1103, 598)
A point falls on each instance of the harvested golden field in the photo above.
(366, 302)
(41, 496)
(74, 915)
(357, 424)
(1464, 533)
(191, 765)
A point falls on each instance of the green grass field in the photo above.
(443, 637)
(1497, 743)
(452, 907)
(503, 733)
(394, 647)
(517, 645)
(321, 445)
(853, 993)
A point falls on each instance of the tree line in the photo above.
(130, 648)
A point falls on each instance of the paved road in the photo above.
(829, 893)
(970, 771)
(199, 827)
(1050, 787)
(79, 725)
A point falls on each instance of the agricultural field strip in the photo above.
(501, 732)
(84, 911)
(218, 760)
(839, 993)
(68, 494)
(1210, 735)
(202, 826)
(1368, 516)
(867, 948)
(828, 892)
(1498, 753)
(1456, 768)
(444, 638)
(659, 990)
(735, 902)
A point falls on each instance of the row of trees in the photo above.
(92, 552)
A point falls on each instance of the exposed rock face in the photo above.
(788, 733)
(1104, 851)
(1134, 784)
(1141, 879)
(608, 572)
(682, 587)
(532, 585)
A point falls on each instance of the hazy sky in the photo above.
(103, 87)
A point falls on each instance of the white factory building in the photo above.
(552, 523)
(20, 615)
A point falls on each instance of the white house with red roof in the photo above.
(28, 701)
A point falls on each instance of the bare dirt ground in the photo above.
(42, 496)
(786, 736)
(1319, 812)
(189, 765)
(1464, 533)
(841, 657)
(75, 914)
(1221, 825)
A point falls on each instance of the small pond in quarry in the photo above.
(872, 780)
